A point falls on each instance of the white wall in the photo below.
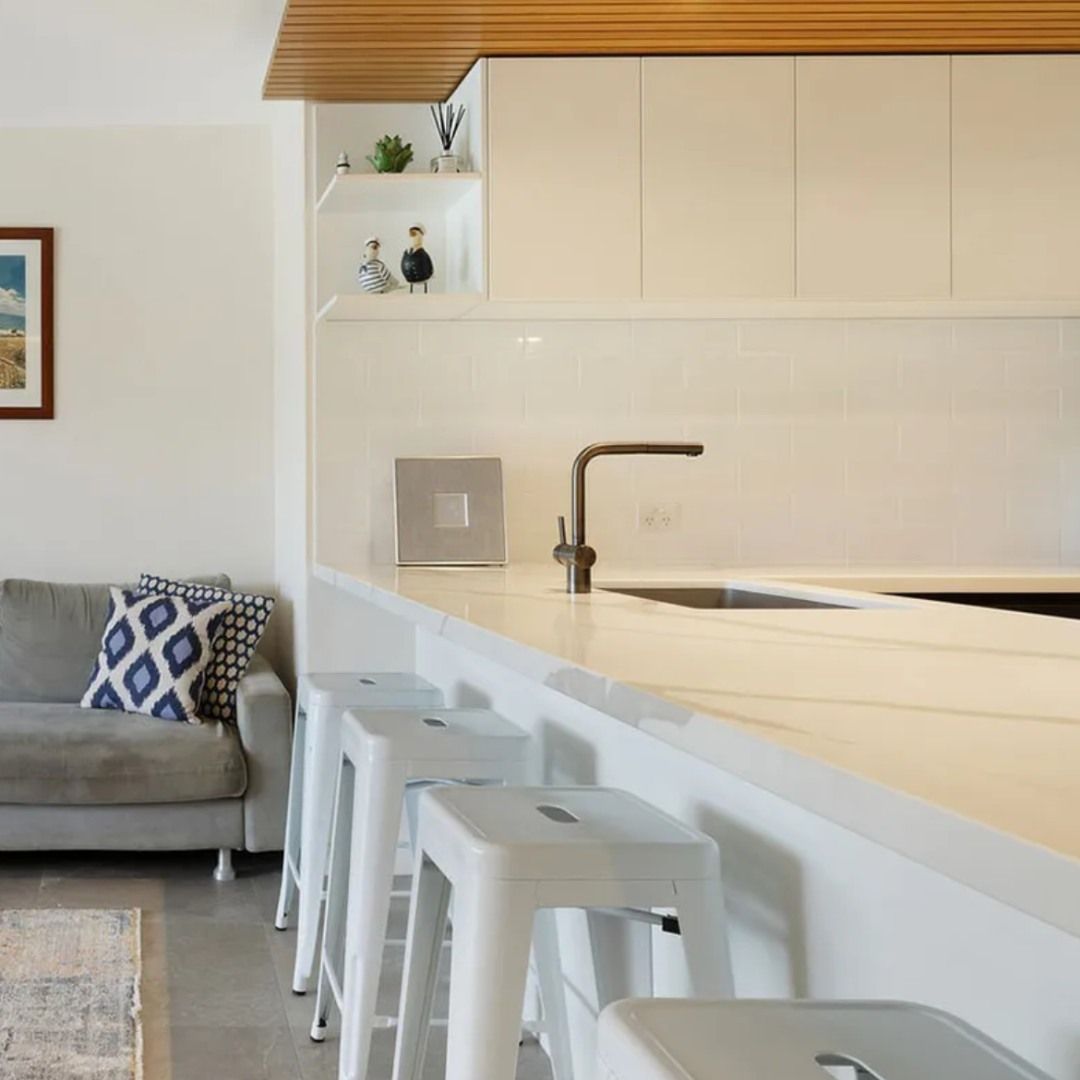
(291, 465)
(161, 454)
(867, 441)
(76, 62)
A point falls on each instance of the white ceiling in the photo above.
(90, 62)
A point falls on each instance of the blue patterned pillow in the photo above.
(241, 631)
(154, 655)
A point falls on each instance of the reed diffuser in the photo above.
(447, 121)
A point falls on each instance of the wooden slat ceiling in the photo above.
(418, 50)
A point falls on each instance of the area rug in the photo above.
(69, 995)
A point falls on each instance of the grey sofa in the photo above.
(74, 778)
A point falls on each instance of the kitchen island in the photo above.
(894, 783)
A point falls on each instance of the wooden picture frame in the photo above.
(26, 324)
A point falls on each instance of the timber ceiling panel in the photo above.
(418, 50)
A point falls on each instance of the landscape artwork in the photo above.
(26, 315)
(12, 322)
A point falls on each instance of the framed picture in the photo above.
(26, 324)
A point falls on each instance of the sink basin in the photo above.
(725, 597)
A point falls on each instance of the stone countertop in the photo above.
(949, 733)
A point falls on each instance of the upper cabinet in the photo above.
(830, 178)
(718, 177)
(873, 177)
(1016, 177)
(565, 179)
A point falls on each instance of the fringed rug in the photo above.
(69, 995)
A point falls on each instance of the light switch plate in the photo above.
(449, 511)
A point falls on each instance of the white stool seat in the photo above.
(365, 690)
(321, 697)
(380, 753)
(657, 1039)
(437, 735)
(513, 854)
(559, 834)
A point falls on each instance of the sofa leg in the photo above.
(224, 870)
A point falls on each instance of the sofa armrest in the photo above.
(264, 721)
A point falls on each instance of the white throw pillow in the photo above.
(154, 655)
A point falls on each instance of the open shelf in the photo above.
(398, 305)
(357, 193)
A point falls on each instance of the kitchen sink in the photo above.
(725, 597)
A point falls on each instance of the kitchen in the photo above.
(853, 281)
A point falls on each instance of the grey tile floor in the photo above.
(216, 974)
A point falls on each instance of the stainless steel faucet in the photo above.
(577, 556)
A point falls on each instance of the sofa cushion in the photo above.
(154, 655)
(50, 635)
(64, 755)
(242, 628)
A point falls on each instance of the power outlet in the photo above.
(659, 517)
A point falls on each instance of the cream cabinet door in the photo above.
(565, 178)
(718, 175)
(873, 177)
(1016, 177)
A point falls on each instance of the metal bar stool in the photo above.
(380, 754)
(653, 1039)
(320, 701)
(511, 855)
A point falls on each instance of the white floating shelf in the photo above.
(400, 305)
(357, 193)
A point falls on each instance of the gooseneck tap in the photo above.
(576, 555)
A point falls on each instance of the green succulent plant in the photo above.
(391, 156)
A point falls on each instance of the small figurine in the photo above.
(416, 265)
(373, 275)
(342, 167)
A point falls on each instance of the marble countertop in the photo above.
(949, 733)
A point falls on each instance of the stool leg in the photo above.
(493, 924)
(333, 946)
(375, 826)
(413, 791)
(703, 925)
(287, 896)
(622, 957)
(428, 910)
(320, 762)
(552, 993)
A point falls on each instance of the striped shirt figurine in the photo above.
(373, 275)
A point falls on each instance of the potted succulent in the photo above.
(391, 155)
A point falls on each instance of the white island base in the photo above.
(817, 908)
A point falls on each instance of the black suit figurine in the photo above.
(416, 265)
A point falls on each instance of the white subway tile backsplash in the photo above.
(981, 337)
(869, 441)
(1050, 370)
(1070, 336)
(903, 545)
(1034, 439)
(882, 339)
(792, 337)
(467, 338)
(767, 371)
(658, 387)
(607, 339)
(978, 440)
(371, 339)
(925, 437)
(706, 339)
